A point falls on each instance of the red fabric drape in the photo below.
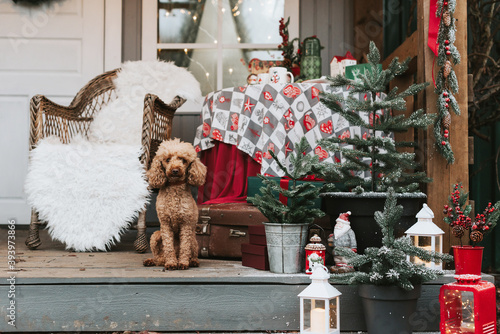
(227, 172)
(433, 27)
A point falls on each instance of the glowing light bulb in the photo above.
(239, 39)
(230, 71)
(185, 51)
(195, 18)
(250, 9)
(207, 74)
(167, 13)
(223, 10)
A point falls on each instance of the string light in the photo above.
(167, 13)
(207, 74)
(223, 10)
(195, 18)
(186, 51)
(230, 71)
(239, 39)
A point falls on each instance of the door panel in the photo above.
(51, 50)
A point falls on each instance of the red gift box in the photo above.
(257, 235)
(254, 256)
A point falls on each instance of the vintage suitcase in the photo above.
(222, 228)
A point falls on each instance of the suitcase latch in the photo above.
(236, 233)
(203, 226)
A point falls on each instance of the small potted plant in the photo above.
(389, 284)
(372, 161)
(468, 258)
(286, 231)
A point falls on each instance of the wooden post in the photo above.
(444, 175)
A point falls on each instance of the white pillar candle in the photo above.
(318, 320)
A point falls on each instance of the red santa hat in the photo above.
(344, 218)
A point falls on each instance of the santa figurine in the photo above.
(343, 236)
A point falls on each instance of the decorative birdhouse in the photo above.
(426, 235)
(319, 305)
(468, 306)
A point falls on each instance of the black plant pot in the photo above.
(388, 308)
(363, 207)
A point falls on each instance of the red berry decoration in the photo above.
(448, 53)
(443, 143)
(445, 94)
(446, 135)
(447, 48)
(446, 105)
(446, 131)
(447, 42)
(446, 4)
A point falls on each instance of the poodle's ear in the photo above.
(156, 173)
(197, 173)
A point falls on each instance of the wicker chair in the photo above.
(48, 118)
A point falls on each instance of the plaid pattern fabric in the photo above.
(260, 118)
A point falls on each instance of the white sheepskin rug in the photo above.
(90, 190)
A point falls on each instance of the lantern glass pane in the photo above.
(459, 311)
(424, 242)
(333, 314)
(318, 316)
(438, 243)
(307, 314)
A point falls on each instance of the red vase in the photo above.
(468, 260)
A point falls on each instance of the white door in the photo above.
(52, 50)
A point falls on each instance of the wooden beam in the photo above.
(444, 175)
(409, 48)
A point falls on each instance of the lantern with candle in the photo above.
(426, 235)
(468, 306)
(319, 304)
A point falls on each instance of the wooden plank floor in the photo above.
(59, 290)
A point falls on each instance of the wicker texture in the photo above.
(48, 118)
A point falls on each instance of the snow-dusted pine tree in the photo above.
(387, 166)
(387, 265)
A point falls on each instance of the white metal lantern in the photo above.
(319, 305)
(427, 235)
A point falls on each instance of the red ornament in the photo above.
(443, 143)
(445, 131)
(447, 48)
(446, 105)
(315, 253)
(447, 99)
(446, 135)
(448, 53)
(445, 94)
(446, 4)
(447, 42)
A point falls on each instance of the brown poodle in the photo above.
(174, 169)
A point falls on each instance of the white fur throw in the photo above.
(89, 191)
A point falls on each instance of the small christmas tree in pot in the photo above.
(291, 218)
(371, 162)
(390, 285)
(468, 258)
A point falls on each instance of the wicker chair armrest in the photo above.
(157, 123)
(61, 121)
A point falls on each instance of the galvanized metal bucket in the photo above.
(285, 247)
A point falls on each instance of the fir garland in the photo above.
(446, 82)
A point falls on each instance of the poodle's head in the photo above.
(176, 161)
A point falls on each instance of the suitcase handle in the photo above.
(236, 233)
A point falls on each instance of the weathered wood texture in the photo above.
(59, 290)
(368, 18)
(444, 175)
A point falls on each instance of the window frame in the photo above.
(150, 46)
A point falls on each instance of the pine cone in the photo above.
(447, 18)
(457, 231)
(447, 69)
(476, 236)
(446, 120)
(287, 63)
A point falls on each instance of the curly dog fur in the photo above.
(174, 169)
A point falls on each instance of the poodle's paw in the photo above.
(183, 265)
(194, 263)
(171, 266)
(149, 263)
